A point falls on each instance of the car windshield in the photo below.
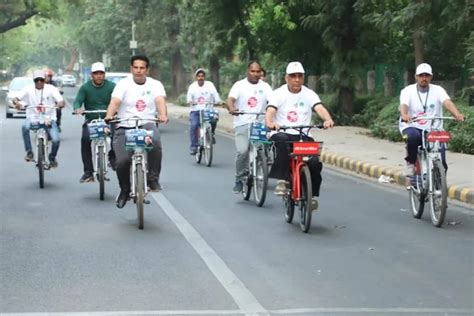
(116, 77)
(19, 83)
(68, 77)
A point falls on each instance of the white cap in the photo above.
(424, 68)
(38, 74)
(199, 70)
(295, 67)
(98, 67)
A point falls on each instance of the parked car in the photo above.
(68, 80)
(116, 76)
(16, 85)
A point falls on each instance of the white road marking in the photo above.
(246, 301)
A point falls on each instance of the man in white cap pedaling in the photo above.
(95, 94)
(34, 96)
(290, 105)
(422, 99)
(200, 93)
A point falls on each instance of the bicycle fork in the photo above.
(138, 158)
(42, 134)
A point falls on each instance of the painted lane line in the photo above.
(246, 301)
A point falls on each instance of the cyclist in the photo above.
(142, 96)
(293, 104)
(48, 73)
(418, 99)
(40, 94)
(200, 93)
(95, 94)
(249, 94)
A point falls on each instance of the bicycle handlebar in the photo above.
(136, 119)
(301, 127)
(431, 118)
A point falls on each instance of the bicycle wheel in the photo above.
(289, 207)
(40, 162)
(260, 180)
(101, 170)
(208, 146)
(417, 191)
(305, 199)
(439, 196)
(198, 155)
(140, 194)
(247, 187)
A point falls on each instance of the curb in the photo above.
(456, 192)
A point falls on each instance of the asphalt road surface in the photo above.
(205, 251)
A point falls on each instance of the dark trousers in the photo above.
(124, 157)
(281, 166)
(86, 149)
(413, 137)
(193, 129)
(59, 114)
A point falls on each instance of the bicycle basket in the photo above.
(258, 131)
(96, 129)
(307, 148)
(136, 138)
(36, 125)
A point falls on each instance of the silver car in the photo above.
(68, 80)
(13, 90)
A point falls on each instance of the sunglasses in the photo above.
(38, 80)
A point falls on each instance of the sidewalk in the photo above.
(351, 148)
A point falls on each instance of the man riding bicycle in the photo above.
(422, 99)
(36, 95)
(144, 97)
(292, 105)
(95, 94)
(200, 93)
(250, 95)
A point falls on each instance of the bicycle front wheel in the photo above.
(260, 180)
(101, 170)
(439, 196)
(208, 147)
(140, 194)
(40, 162)
(305, 199)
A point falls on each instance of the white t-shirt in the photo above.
(249, 98)
(137, 99)
(293, 108)
(199, 96)
(421, 103)
(49, 96)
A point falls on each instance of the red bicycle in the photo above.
(301, 190)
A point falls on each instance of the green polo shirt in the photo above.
(94, 98)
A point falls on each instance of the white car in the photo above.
(16, 85)
(68, 80)
(116, 76)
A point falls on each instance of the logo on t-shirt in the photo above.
(421, 122)
(292, 116)
(140, 105)
(252, 102)
(201, 100)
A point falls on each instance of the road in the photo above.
(205, 251)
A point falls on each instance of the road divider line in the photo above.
(246, 301)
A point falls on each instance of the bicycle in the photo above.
(205, 145)
(300, 191)
(39, 124)
(98, 135)
(138, 141)
(258, 153)
(429, 182)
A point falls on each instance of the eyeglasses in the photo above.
(38, 80)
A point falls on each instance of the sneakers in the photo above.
(313, 206)
(53, 163)
(238, 187)
(193, 151)
(281, 188)
(409, 170)
(122, 198)
(154, 186)
(86, 177)
(29, 156)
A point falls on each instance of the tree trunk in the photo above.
(418, 44)
(214, 66)
(346, 100)
(371, 83)
(72, 61)
(176, 73)
(387, 84)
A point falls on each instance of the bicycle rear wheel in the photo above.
(40, 162)
(305, 199)
(140, 194)
(439, 196)
(260, 180)
(101, 170)
(208, 146)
